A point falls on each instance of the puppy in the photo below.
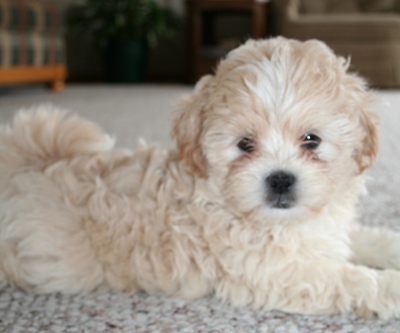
(256, 204)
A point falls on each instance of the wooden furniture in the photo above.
(54, 75)
(204, 51)
(32, 47)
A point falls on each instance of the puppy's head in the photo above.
(281, 128)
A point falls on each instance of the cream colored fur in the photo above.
(78, 214)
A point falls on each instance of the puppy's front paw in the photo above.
(374, 292)
(379, 297)
(387, 302)
(364, 312)
(392, 258)
(376, 248)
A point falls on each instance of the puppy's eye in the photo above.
(311, 141)
(247, 145)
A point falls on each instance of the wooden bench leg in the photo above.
(57, 86)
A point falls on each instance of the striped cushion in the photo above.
(31, 16)
(30, 49)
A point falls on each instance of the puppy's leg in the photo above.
(320, 287)
(46, 249)
(374, 247)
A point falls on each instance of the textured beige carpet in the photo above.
(129, 112)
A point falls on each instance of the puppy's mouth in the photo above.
(281, 201)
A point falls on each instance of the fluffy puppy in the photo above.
(256, 204)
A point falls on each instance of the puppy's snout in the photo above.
(280, 186)
(281, 182)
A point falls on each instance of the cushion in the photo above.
(31, 16)
(329, 6)
(348, 6)
(313, 6)
(377, 5)
(351, 28)
(30, 49)
(343, 6)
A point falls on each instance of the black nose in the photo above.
(281, 182)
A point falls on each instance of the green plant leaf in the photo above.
(108, 19)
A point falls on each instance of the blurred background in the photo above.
(177, 41)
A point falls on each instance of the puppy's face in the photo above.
(281, 129)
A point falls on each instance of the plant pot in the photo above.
(125, 60)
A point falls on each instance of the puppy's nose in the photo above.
(281, 182)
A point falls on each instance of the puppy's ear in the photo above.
(188, 126)
(366, 155)
(360, 101)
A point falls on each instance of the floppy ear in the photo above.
(369, 149)
(360, 100)
(188, 126)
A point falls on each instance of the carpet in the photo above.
(129, 112)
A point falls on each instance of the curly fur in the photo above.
(78, 214)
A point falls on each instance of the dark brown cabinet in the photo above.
(206, 45)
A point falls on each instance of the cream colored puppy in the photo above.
(256, 205)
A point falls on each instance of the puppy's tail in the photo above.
(44, 135)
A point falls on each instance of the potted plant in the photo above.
(124, 29)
